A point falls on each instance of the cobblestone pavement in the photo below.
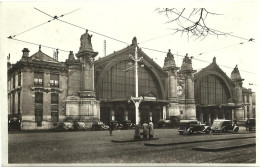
(96, 147)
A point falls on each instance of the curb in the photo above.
(198, 141)
(133, 140)
(223, 148)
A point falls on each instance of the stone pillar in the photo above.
(238, 81)
(245, 112)
(112, 114)
(251, 114)
(233, 115)
(126, 115)
(187, 78)
(150, 116)
(171, 69)
(164, 112)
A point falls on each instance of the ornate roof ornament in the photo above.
(186, 63)
(134, 41)
(235, 74)
(169, 61)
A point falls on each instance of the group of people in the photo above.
(147, 129)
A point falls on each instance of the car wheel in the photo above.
(236, 130)
(181, 133)
(224, 130)
(207, 131)
(190, 131)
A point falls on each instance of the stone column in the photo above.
(150, 116)
(126, 115)
(112, 114)
(209, 114)
(251, 114)
(164, 112)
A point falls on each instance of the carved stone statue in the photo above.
(85, 42)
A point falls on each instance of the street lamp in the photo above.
(137, 100)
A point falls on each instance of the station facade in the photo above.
(43, 91)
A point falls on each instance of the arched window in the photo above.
(121, 84)
(212, 91)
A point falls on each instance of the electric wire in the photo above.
(32, 43)
(57, 18)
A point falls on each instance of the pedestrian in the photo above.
(145, 130)
(150, 129)
(111, 128)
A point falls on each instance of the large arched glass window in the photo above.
(212, 91)
(120, 84)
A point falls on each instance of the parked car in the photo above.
(222, 125)
(14, 123)
(99, 125)
(191, 126)
(250, 124)
(79, 126)
(63, 126)
(126, 124)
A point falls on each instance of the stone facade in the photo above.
(43, 91)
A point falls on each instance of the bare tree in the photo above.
(196, 28)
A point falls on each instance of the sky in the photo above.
(126, 19)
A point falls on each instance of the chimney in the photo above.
(25, 52)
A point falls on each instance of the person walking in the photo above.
(151, 132)
(111, 128)
(145, 130)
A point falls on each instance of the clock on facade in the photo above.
(179, 90)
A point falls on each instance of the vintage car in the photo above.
(99, 126)
(250, 124)
(63, 126)
(191, 126)
(79, 126)
(222, 125)
(14, 123)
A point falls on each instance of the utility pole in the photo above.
(137, 100)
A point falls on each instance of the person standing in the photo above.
(145, 130)
(151, 132)
(111, 128)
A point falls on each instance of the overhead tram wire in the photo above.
(240, 43)
(57, 18)
(196, 59)
(32, 43)
(43, 22)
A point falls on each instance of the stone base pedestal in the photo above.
(82, 109)
(188, 111)
(239, 114)
(173, 109)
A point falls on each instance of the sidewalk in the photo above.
(226, 145)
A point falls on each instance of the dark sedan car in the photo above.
(250, 124)
(191, 126)
(222, 125)
(79, 126)
(64, 126)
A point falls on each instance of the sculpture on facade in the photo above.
(85, 42)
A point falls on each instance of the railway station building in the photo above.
(43, 91)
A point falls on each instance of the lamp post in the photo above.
(137, 100)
